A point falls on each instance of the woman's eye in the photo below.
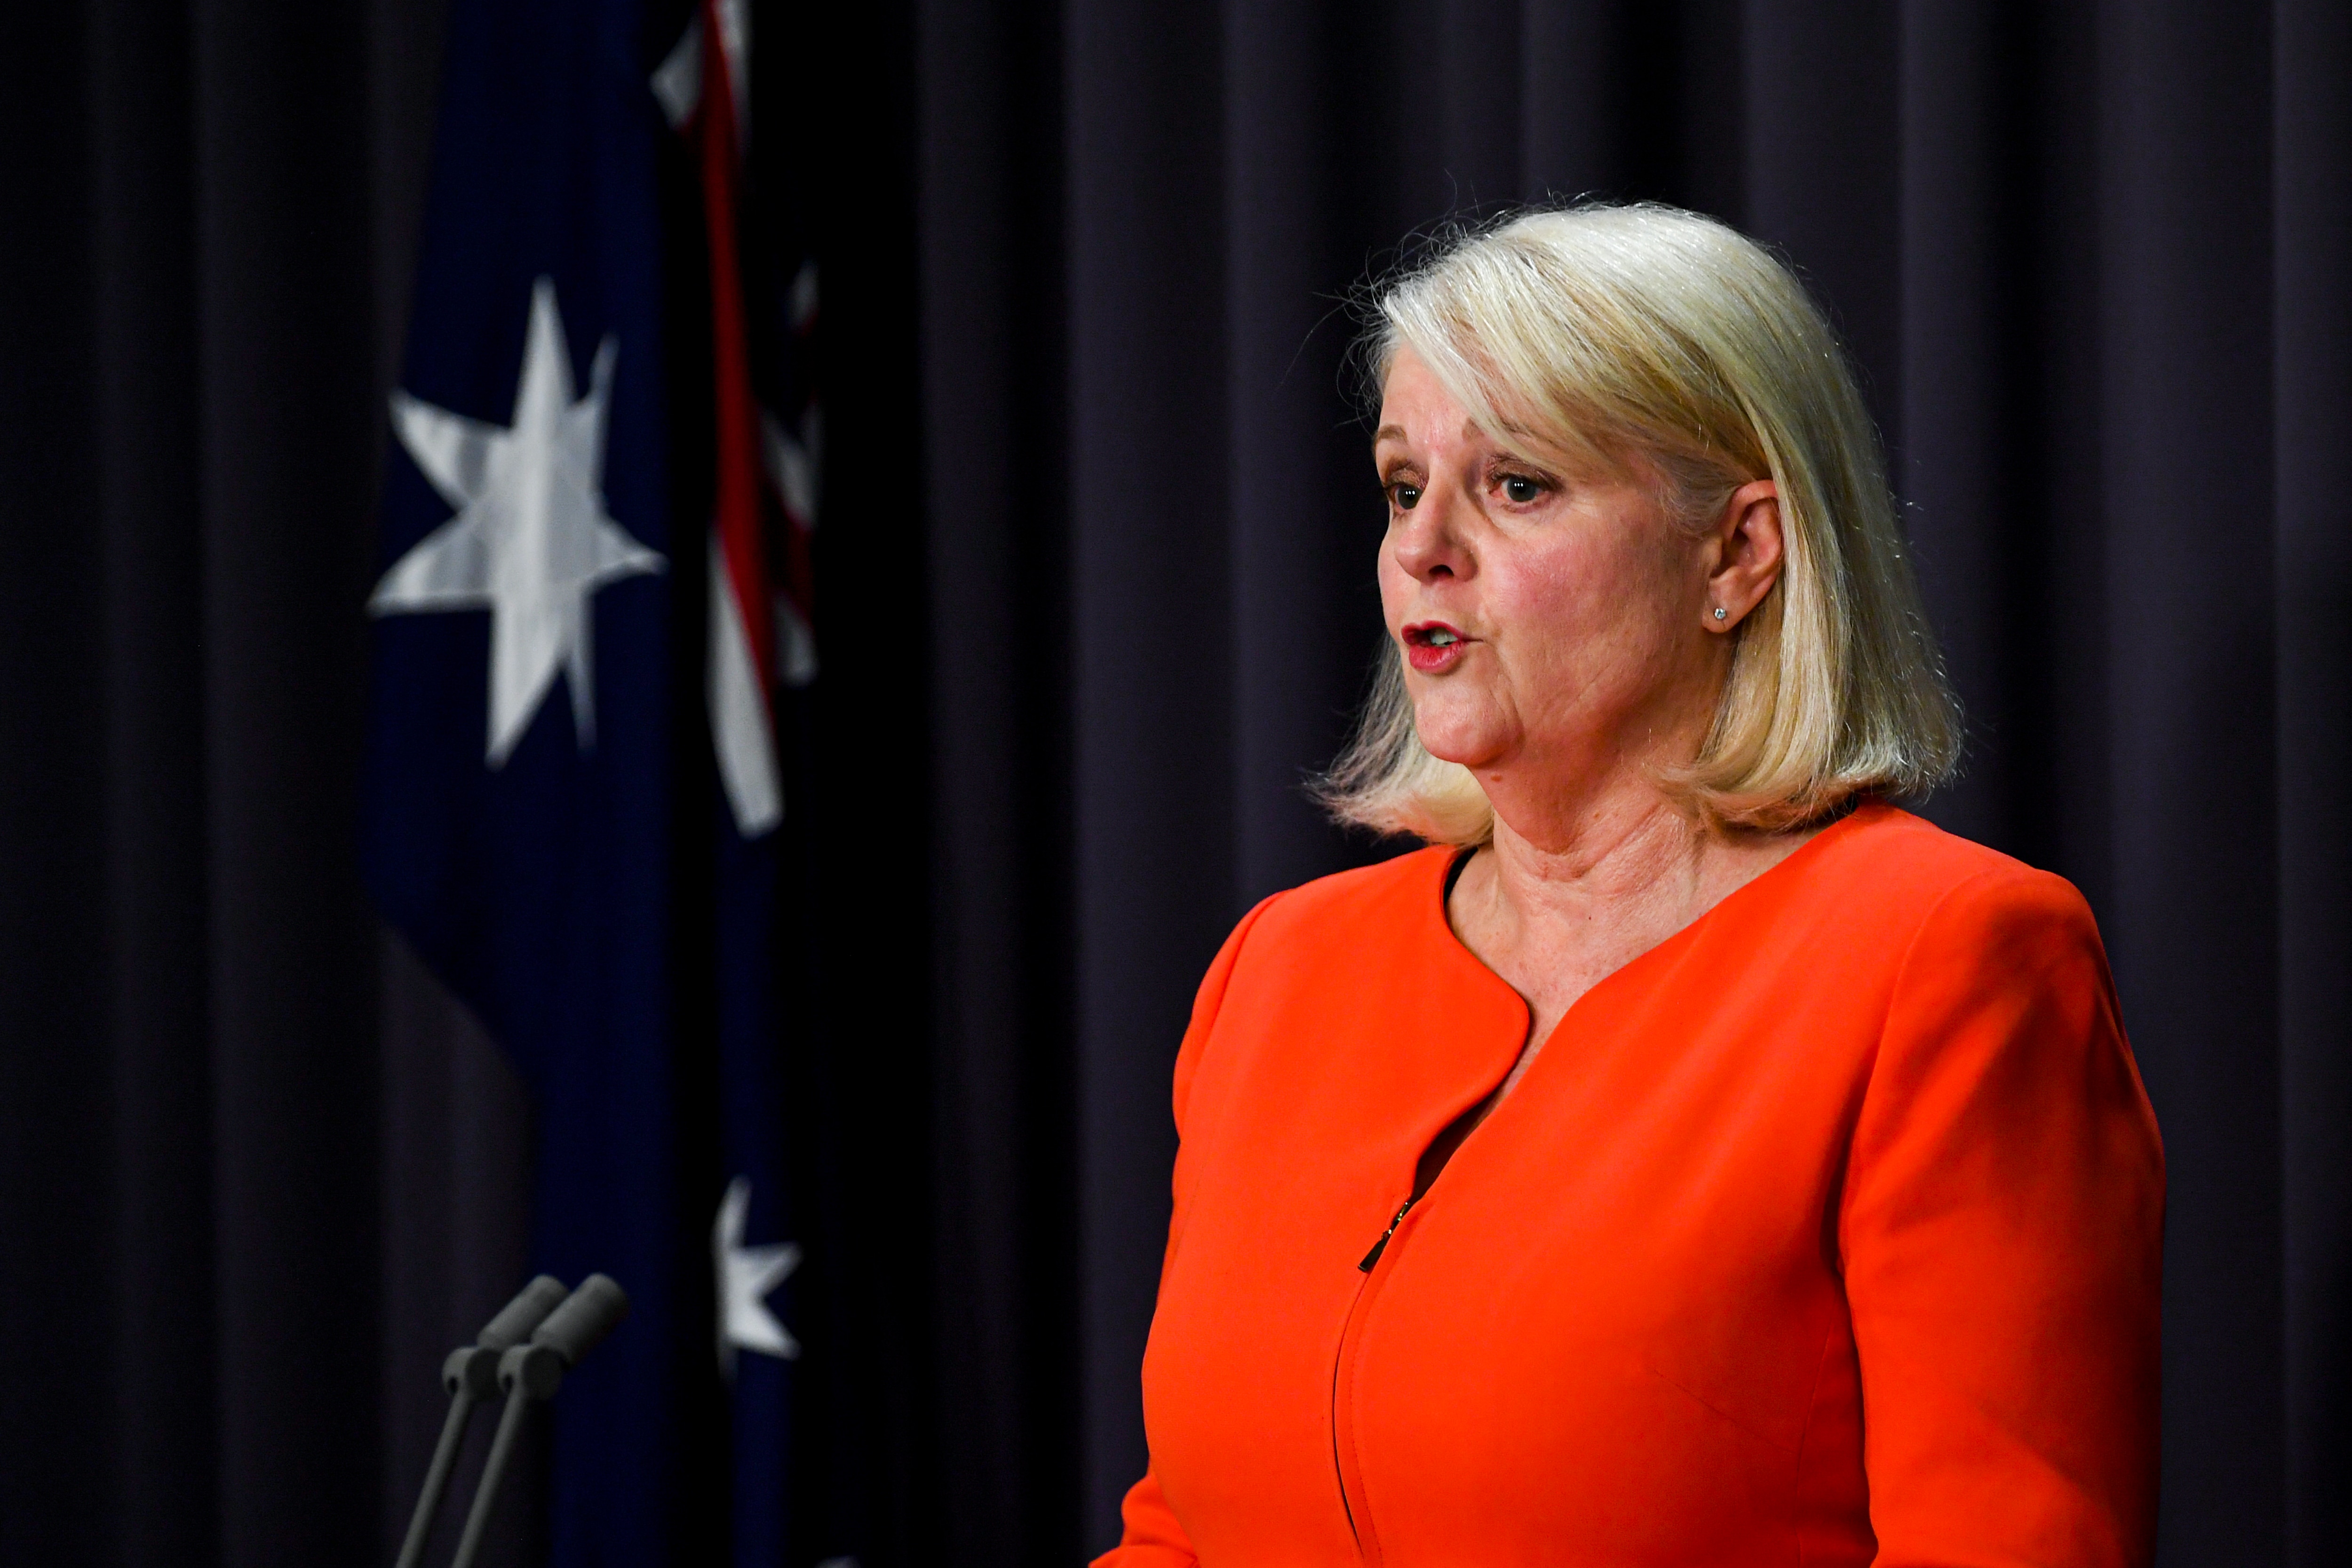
(1520, 490)
(1407, 496)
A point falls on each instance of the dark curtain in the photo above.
(2092, 260)
(1097, 563)
(202, 260)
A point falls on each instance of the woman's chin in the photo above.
(1471, 749)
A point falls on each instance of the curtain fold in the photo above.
(2191, 907)
(989, 156)
(155, 886)
(2311, 230)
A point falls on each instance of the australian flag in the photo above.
(524, 792)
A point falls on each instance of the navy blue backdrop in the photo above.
(1100, 521)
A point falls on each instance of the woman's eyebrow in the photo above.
(1388, 432)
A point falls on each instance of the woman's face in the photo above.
(1549, 625)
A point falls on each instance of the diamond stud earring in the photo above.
(1720, 612)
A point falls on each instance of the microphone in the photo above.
(569, 1332)
(535, 1370)
(471, 1376)
(518, 1317)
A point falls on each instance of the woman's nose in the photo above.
(1427, 541)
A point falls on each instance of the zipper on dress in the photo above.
(1373, 1256)
(1369, 1551)
(1338, 1470)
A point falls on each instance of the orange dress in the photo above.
(1828, 1231)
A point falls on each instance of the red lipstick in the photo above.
(1431, 647)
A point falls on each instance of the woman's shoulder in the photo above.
(1378, 892)
(1368, 914)
(1333, 937)
(1887, 880)
(1891, 861)
(1912, 955)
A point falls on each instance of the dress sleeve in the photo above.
(1150, 1536)
(2001, 1233)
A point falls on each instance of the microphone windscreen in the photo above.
(518, 1317)
(587, 1315)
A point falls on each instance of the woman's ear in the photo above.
(1747, 554)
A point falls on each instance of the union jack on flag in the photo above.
(764, 487)
(761, 627)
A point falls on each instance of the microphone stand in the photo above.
(471, 1376)
(531, 1373)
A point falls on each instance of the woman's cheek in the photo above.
(1548, 603)
(1396, 586)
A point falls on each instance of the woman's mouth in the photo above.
(1432, 645)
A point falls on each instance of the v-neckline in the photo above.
(1449, 868)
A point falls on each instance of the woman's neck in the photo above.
(1556, 916)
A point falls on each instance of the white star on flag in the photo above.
(746, 1274)
(532, 541)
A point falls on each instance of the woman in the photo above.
(1689, 1157)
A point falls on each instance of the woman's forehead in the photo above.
(1416, 407)
(1416, 404)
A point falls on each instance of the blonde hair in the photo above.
(1652, 341)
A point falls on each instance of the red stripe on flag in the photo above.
(738, 417)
